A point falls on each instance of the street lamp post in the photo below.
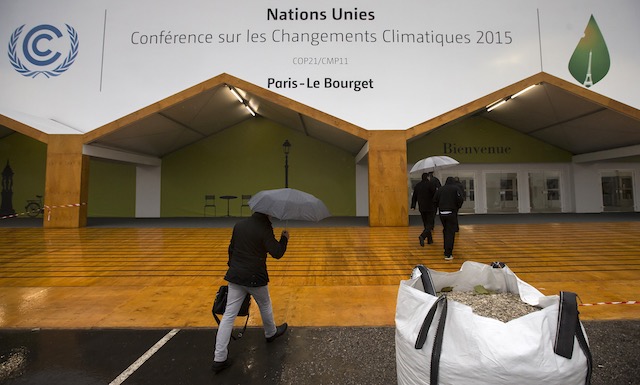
(286, 146)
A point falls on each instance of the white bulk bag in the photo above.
(444, 342)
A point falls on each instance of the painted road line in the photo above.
(131, 369)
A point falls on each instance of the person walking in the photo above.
(252, 239)
(463, 191)
(423, 194)
(448, 200)
(461, 187)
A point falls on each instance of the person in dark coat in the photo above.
(252, 239)
(423, 194)
(463, 191)
(461, 187)
(448, 200)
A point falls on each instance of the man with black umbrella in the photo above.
(252, 239)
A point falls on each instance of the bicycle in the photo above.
(34, 206)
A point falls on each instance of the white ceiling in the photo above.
(558, 117)
(211, 112)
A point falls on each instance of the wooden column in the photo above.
(388, 191)
(66, 182)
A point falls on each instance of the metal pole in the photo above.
(286, 146)
(286, 170)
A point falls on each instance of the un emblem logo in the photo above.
(42, 49)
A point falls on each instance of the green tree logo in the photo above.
(590, 61)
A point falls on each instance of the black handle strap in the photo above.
(568, 328)
(427, 282)
(437, 342)
(221, 298)
(587, 352)
(241, 333)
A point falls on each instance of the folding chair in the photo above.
(209, 201)
(245, 203)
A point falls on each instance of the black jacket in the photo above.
(423, 194)
(449, 197)
(251, 240)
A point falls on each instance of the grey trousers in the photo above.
(234, 302)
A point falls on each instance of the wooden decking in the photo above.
(330, 276)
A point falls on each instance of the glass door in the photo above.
(617, 190)
(544, 192)
(502, 192)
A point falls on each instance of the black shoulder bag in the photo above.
(220, 305)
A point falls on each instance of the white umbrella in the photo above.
(431, 163)
(288, 203)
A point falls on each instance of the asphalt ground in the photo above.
(333, 355)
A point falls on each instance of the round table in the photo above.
(228, 198)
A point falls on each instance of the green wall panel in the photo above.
(247, 158)
(27, 158)
(478, 140)
(112, 189)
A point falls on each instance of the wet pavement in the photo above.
(336, 355)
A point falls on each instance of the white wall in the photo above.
(588, 184)
(588, 188)
(362, 190)
(148, 180)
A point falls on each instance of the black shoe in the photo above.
(217, 367)
(430, 240)
(448, 257)
(421, 238)
(279, 331)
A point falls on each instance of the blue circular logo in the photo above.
(38, 49)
